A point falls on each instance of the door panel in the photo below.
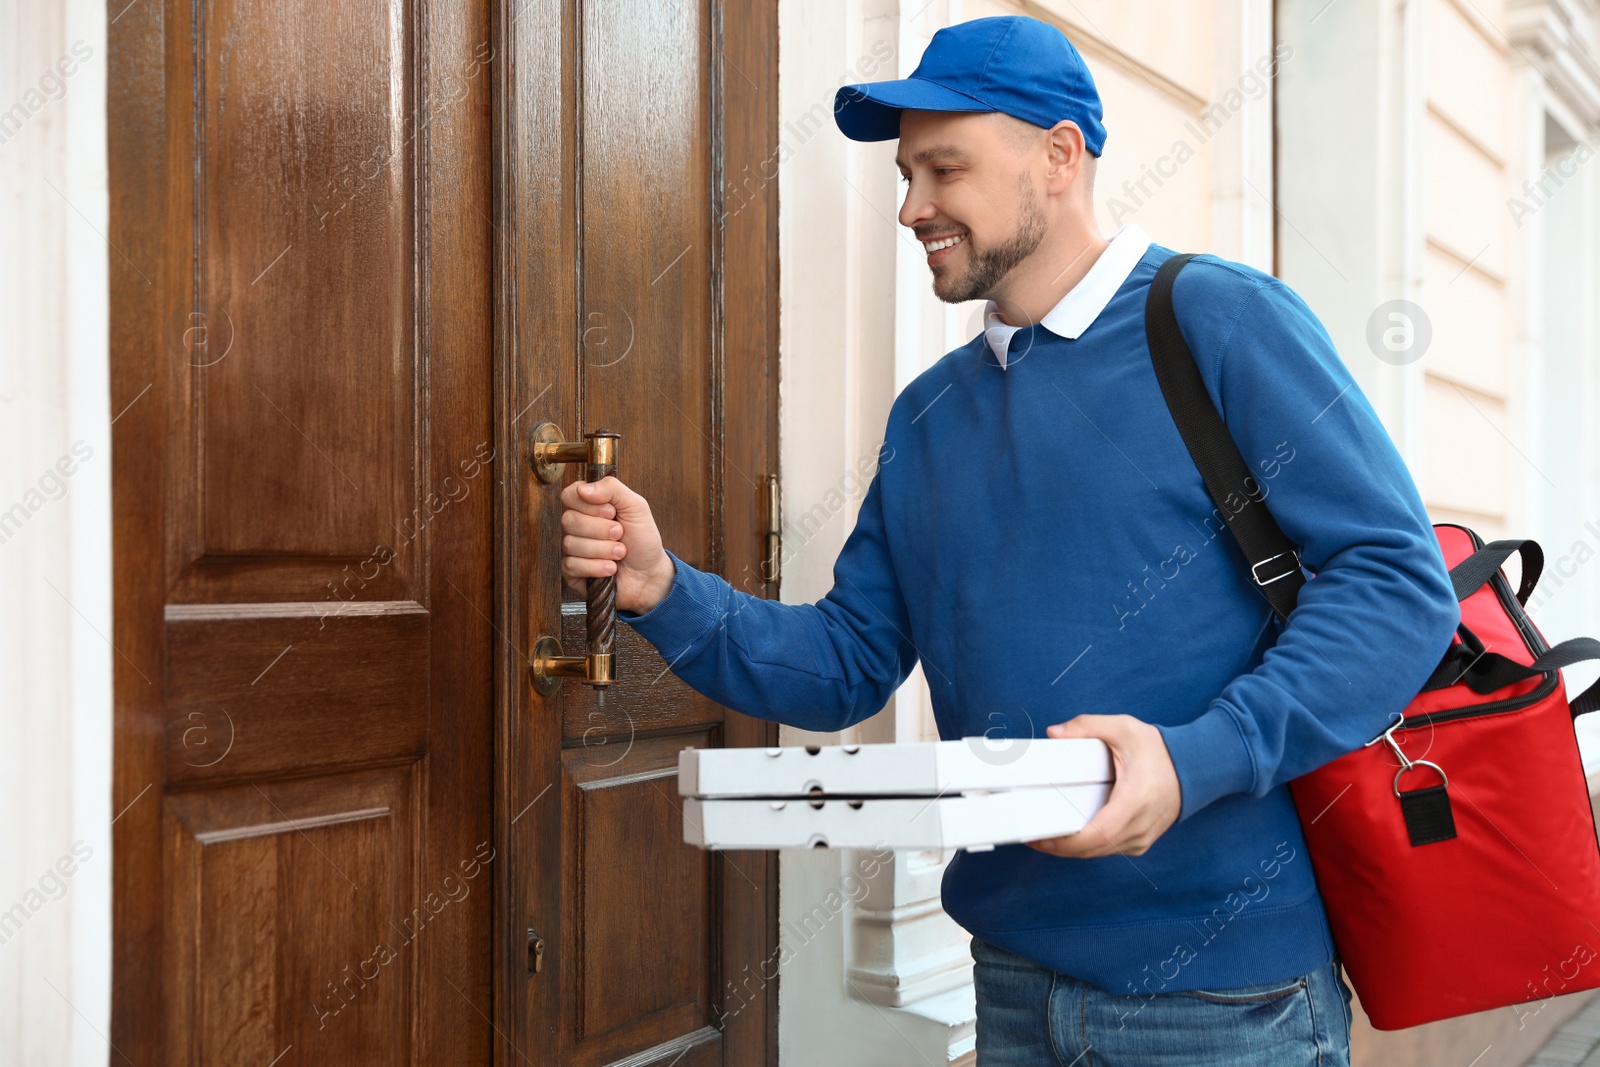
(285, 727)
(281, 895)
(290, 101)
(630, 989)
(643, 133)
(302, 360)
(638, 243)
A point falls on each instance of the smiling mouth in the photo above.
(942, 243)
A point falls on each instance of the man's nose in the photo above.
(915, 208)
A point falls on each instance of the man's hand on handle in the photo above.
(606, 529)
(1145, 799)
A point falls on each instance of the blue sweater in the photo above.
(1040, 539)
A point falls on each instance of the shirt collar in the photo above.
(1084, 301)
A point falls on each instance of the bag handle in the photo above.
(1576, 650)
(1274, 563)
(1469, 575)
(1485, 672)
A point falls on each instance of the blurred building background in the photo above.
(1422, 172)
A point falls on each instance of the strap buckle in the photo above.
(1257, 577)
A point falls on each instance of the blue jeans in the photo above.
(1031, 1016)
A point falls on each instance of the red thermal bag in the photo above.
(1456, 855)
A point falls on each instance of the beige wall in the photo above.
(1471, 376)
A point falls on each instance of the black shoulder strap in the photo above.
(1274, 563)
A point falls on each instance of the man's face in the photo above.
(969, 181)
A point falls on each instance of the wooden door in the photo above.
(638, 237)
(302, 366)
(358, 251)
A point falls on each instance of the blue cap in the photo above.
(1011, 63)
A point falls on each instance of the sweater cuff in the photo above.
(690, 608)
(1210, 757)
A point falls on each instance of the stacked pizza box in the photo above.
(973, 793)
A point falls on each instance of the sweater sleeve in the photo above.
(1372, 623)
(822, 666)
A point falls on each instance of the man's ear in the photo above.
(1068, 157)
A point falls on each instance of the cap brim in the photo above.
(871, 111)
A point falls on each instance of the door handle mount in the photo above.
(548, 455)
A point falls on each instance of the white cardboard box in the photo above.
(918, 768)
(975, 821)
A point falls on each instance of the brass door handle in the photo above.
(548, 455)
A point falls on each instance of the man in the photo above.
(1038, 535)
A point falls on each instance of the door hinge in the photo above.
(772, 564)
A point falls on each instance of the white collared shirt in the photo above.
(1084, 301)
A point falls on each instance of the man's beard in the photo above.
(990, 265)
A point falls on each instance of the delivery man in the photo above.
(1037, 534)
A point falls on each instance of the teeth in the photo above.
(934, 246)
